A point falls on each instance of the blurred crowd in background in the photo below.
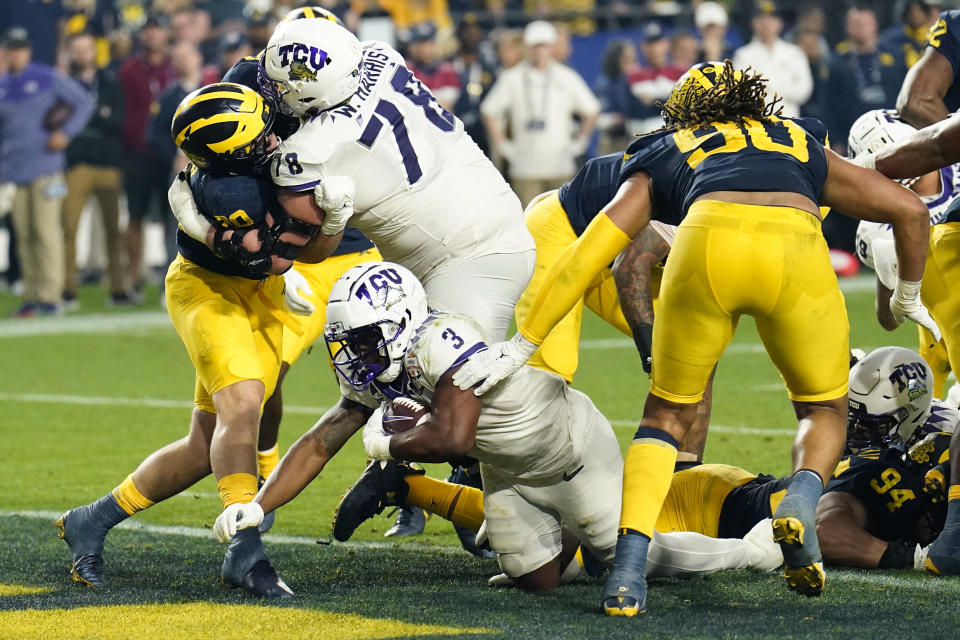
(88, 88)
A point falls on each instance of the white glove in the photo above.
(295, 292)
(235, 517)
(334, 195)
(885, 262)
(185, 209)
(375, 441)
(493, 364)
(920, 556)
(905, 303)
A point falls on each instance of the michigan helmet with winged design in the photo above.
(314, 65)
(224, 126)
(698, 79)
(373, 313)
(312, 12)
(889, 398)
(876, 130)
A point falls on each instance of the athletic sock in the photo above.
(647, 474)
(267, 461)
(128, 498)
(460, 504)
(806, 486)
(237, 487)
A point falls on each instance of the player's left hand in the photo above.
(295, 292)
(375, 441)
(235, 517)
(905, 303)
(493, 364)
(335, 196)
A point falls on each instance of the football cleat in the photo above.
(943, 557)
(803, 568)
(625, 593)
(262, 581)
(85, 540)
(245, 565)
(410, 522)
(380, 485)
(765, 554)
(270, 516)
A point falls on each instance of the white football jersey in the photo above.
(425, 193)
(527, 427)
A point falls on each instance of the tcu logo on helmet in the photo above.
(912, 375)
(381, 281)
(304, 60)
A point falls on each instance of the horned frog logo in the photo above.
(300, 71)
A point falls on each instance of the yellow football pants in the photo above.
(321, 277)
(552, 233)
(771, 263)
(940, 293)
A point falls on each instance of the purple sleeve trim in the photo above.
(301, 187)
(463, 357)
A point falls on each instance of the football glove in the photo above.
(334, 195)
(905, 303)
(375, 441)
(180, 198)
(493, 364)
(232, 249)
(643, 338)
(235, 517)
(295, 292)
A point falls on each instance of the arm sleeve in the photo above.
(82, 102)
(299, 162)
(570, 276)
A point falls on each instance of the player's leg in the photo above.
(935, 354)
(548, 224)
(687, 553)
(691, 330)
(944, 555)
(164, 473)
(806, 335)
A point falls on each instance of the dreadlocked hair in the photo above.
(733, 97)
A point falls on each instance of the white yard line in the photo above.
(94, 323)
(163, 403)
(202, 532)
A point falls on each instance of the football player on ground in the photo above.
(927, 150)
(425, 194)
(872, 132)
(747, 184)
(930, 91)
(550, 463)
(229, 311)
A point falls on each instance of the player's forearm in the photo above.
(844, 543)
(320, 248)
(927, 150)
(923, 111)
(911, 234)
(310, 454)
(632, 275)
(433, 441)
(884, 315)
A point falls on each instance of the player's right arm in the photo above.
(841, 530)
(308, 455)
(303, 206)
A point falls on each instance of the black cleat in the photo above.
(380, 485)
(245, 565)
(86, 546)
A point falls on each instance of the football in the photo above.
(404, 414)
(57, 116)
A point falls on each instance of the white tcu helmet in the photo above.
(373, 312)
(314, 63)
(875, 130)
(889, 400)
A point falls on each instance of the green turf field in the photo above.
(85, 397)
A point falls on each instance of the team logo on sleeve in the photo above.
(303, 60)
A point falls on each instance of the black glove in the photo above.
(643, 338)
(232, 250)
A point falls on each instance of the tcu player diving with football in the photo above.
(872, 132)
(228, 309)
(746, 183)
(884, 503)
(550, 463)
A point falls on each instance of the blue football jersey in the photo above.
(945, 38)
(785, 154)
